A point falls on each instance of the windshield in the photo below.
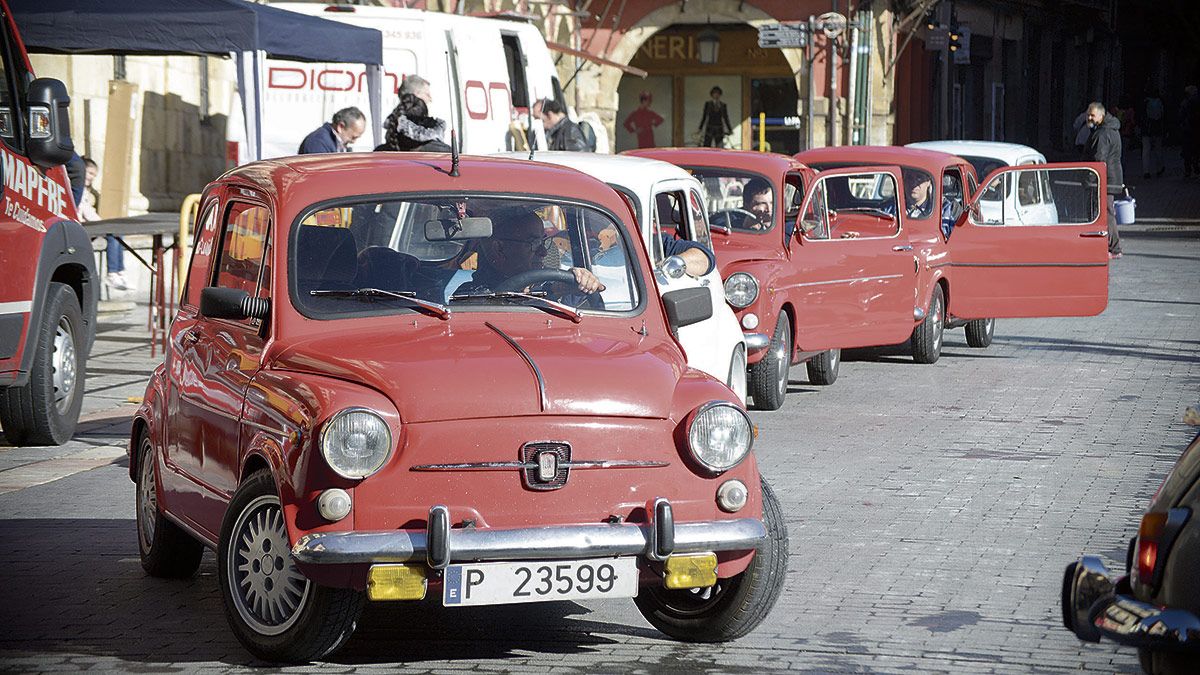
(426, 254)
(743, 202)
(984, 165)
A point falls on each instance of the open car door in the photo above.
(853, 265)
(1006, 264)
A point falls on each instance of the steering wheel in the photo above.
(748, 217)
(550, 276)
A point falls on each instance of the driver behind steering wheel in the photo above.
(518, 244)
(757, 199)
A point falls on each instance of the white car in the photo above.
(668, 199)
(1026, 193)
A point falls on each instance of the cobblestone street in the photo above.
(931, 510)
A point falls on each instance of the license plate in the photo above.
(512, 582)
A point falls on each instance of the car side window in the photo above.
(1027, 188)
(953, 202)
(699, 225)
(793, 195)
(814, 223)
(200, 270)
(243, 249)
(669, 213)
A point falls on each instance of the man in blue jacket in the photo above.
(336, 135)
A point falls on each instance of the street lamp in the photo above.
(708, 44)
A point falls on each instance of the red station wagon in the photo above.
(839, 262)
(385, 380)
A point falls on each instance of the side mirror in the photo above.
(447, 229)
(232, 303)
(687, 306)
(49, 142)
(674, 267)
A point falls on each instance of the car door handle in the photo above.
(190, 338)
(905, 247)
(1097, 233)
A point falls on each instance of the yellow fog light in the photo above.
(396, 582)
(691, 571)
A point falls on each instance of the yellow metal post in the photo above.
(183, 245)
(762, 132)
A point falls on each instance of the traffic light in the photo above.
(955, 39)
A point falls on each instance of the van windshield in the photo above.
(401, 254)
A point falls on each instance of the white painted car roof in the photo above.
(1009, 153)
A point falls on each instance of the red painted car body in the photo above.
(461, 395)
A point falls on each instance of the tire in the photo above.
(979, 332)
(927, 337)
(769, 377)
(294, 620)
(736, 380)
(166, 550)
(733, 607)
(823, 368)
(45, 409)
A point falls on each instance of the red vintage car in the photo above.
(973, 267)
(837, 259)
(385, 379)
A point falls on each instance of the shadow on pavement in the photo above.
(75, 586)
(1141, 351)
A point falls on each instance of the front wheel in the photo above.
(276, 612)
(733, 607)
(45, 409)
(823, 368)
(979, 332)
(927, 337)
(769, 377)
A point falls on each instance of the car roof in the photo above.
(929, 160)
(744, 160)
(1009, 153)
(635, 173)
(299, 181)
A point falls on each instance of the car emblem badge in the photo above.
(545, 464)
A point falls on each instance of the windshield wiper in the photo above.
(539, 301)
(437, 309)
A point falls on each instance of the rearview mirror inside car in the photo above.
(450, 229)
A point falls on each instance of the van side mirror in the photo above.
(49, 142)
(687, 306)
(232, 303)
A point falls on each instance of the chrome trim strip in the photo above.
(19, 307)
(846, 281)
(757, 341)
(1098, 233)
(528, 359)
(263, 427)
(200, 403)
(532, 543)
(1038, 264)
(505, 466)
(903, 247)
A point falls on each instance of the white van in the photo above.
(484, 75)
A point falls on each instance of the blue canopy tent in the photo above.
(247, 31)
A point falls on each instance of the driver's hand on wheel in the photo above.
(587, 282)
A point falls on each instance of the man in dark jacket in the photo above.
(1104, 145)
(336, 135)
(561, 132)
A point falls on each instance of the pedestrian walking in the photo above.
(1104, 145)
(1189, 131)
(1152, 135)
(336, 135)
(561, 132)
(714, 121)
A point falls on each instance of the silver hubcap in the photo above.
(936, 317)
(267, 589)
(147, 498)
(63, 365)
(989, 327)
(835, 355)
(783, 357)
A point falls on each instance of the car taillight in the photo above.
(1155, 536)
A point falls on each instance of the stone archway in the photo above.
(602, 96)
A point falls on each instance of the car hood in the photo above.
(469, 368)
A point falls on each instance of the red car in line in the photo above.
(838, 262)
(385, 380)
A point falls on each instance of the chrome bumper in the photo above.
(1095, 606)
(757, 341)
(440, 545)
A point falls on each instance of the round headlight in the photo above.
(720, 435)
(356, 442)
(741, 289)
